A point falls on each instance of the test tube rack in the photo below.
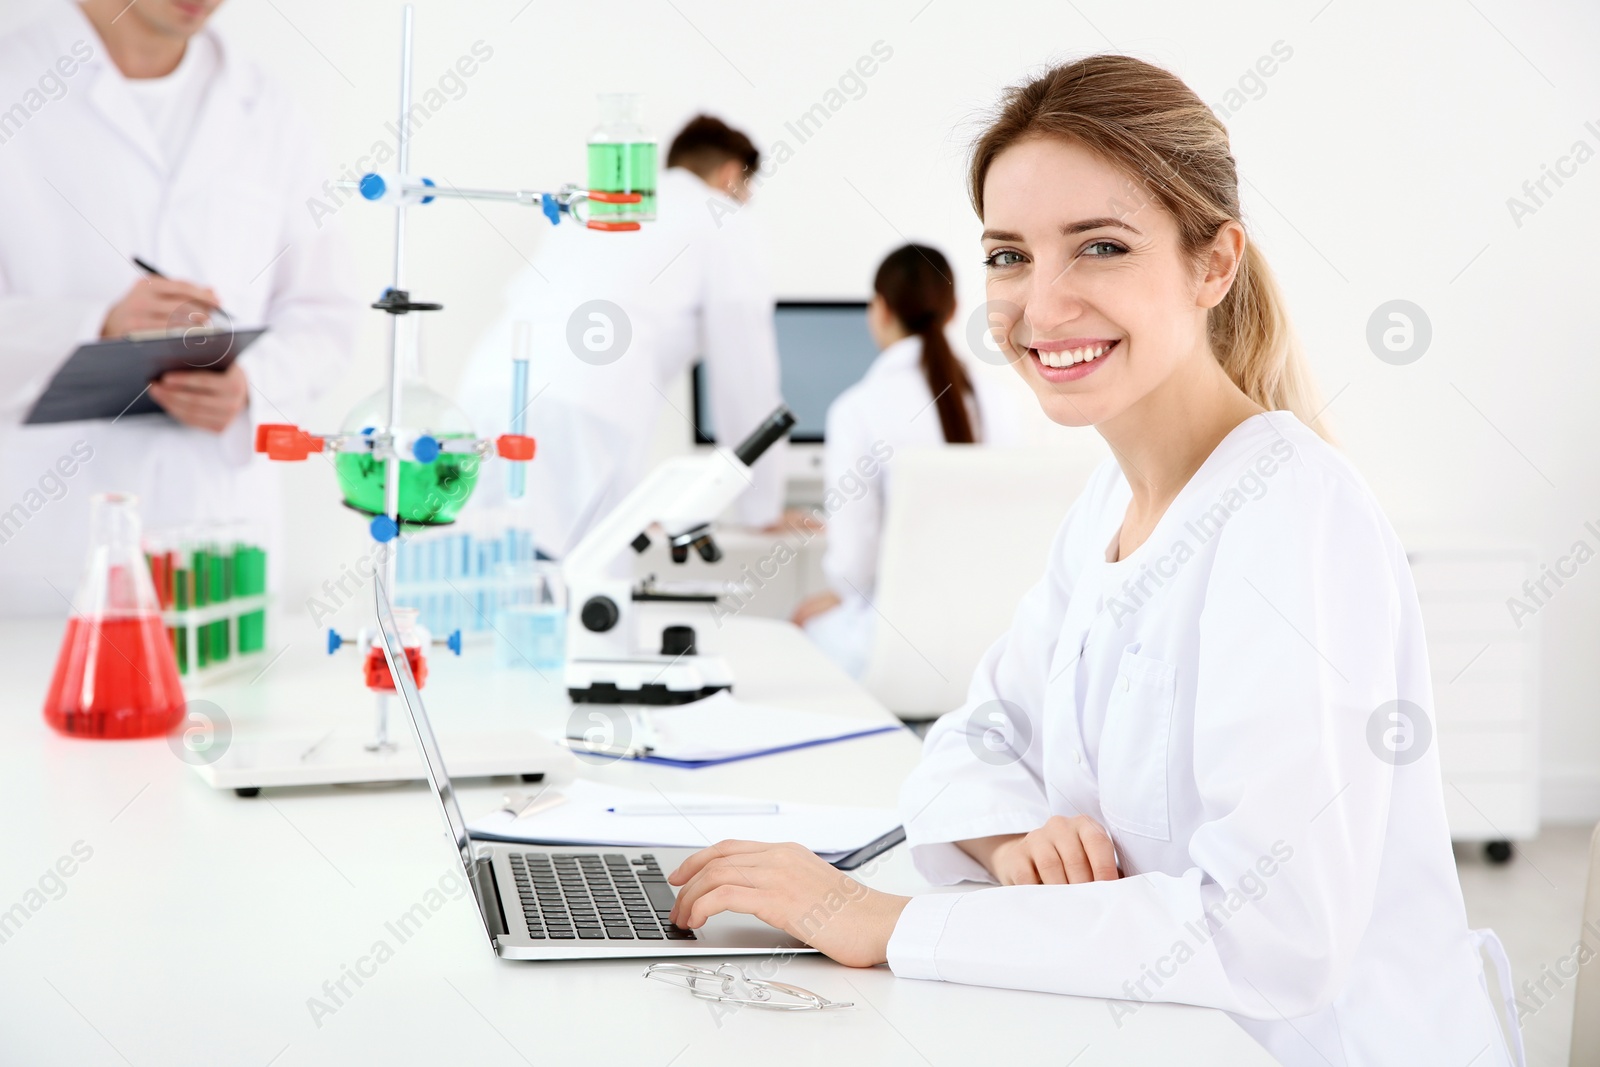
(214, 604)
(450, 575)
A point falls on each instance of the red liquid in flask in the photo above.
(378, 676)
(116, 677)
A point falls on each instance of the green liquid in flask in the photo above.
(431, 494)
(623, 167)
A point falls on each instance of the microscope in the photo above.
(643, 645)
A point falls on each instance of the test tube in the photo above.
(521, 351)
(250, 579)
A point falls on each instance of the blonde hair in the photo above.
(1148, 123)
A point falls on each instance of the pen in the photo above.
(586, 747)
(155, 272)
(694, 809)
(643, 741)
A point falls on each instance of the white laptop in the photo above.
(564, 902)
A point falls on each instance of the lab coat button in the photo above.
(1077, 757)
(1123, 682)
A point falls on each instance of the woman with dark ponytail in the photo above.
(916, 393)
(914, 295)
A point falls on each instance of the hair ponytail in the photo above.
(915, 283)
(1152, 126)
(1256, 345)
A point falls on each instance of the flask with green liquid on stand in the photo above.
(432, 493)
(622, 159)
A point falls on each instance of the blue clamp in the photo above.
(372, 187)
(334, 641)
(382, 528)
(425, 449)
(454, 642)
(551, 208)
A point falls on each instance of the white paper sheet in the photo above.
(582, 819)
(720, 727)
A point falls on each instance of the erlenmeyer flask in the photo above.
(116, 675)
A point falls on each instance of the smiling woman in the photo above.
(1189, 798)
(1143, 187)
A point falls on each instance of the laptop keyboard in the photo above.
(593, 896)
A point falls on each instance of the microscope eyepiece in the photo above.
(767, 434)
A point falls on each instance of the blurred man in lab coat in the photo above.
(136, 130)
(614, 319)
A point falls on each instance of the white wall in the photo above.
(1379, 159)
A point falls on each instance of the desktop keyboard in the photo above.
(594, 896)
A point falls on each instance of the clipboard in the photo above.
(109, 379)
(692, 764)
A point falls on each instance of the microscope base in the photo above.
(647, 680)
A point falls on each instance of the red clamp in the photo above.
(284, 441)
(514, 446)
(600, 197)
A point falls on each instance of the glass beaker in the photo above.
(622, 159)
(530, 618)
(116, 675)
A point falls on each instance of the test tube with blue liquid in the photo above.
(521, 352)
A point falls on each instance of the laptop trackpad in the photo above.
(732, 931)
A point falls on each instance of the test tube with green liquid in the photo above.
(219, 573)
(200, 596)
(250, 579)
(181, 578)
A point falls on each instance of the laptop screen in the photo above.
(433, 761)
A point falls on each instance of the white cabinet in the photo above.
(1485, 691)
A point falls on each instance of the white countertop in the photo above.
(202, 924)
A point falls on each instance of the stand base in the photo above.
(647, 679)
(248, 767)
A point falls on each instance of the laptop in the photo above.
(565, 902)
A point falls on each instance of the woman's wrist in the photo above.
(888, 909)
(983, 849)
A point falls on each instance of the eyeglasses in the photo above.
(729, 984)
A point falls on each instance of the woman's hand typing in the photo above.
(792, 888)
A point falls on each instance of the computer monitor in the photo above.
(823, 349)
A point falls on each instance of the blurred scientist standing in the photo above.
(916, 393)
(140, 131)
(615, 318)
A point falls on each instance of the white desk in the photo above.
(202, 923)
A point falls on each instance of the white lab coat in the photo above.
(693, 283)
(1216, 702)
(889, 409)
(86, 185)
